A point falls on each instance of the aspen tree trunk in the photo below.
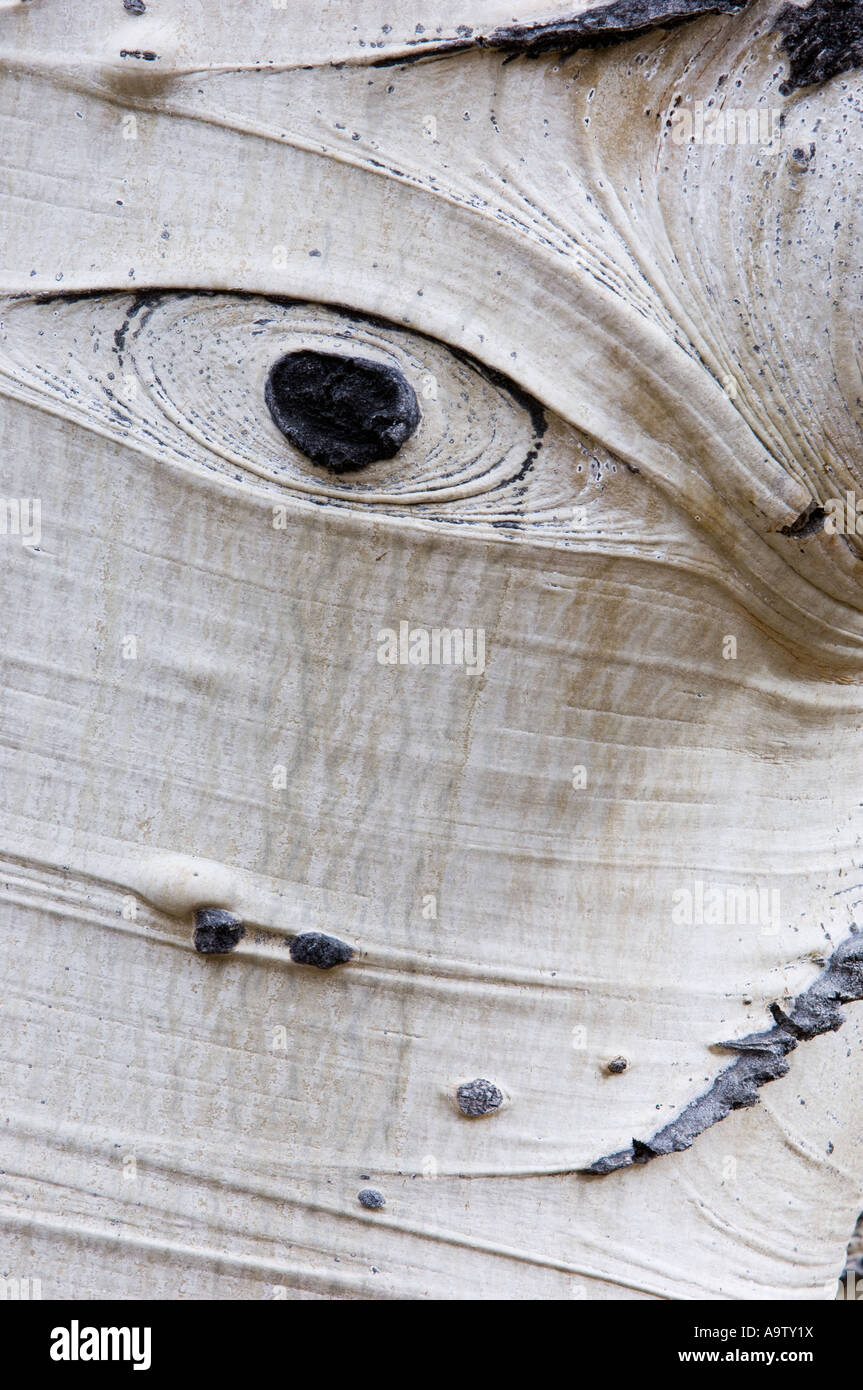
(432, 647)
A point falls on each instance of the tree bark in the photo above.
(521, 766)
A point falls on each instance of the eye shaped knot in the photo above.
(341, 412)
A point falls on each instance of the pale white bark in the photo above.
(683, 310)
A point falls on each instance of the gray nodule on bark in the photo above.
(478, 1097)
(217, 932)
(318, 949)
(371, 1199)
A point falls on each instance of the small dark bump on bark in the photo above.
(217, 932)
(324, 952)
(371, 1199)
(478, 1097)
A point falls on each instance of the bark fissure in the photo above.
(614, 23)
(763, 1058)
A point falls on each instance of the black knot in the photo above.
(216, 931)
(314, 948)
(370, 1198)
(478, 1097)
(341, 412)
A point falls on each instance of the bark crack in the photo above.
(763, 1058)
(614, 23)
